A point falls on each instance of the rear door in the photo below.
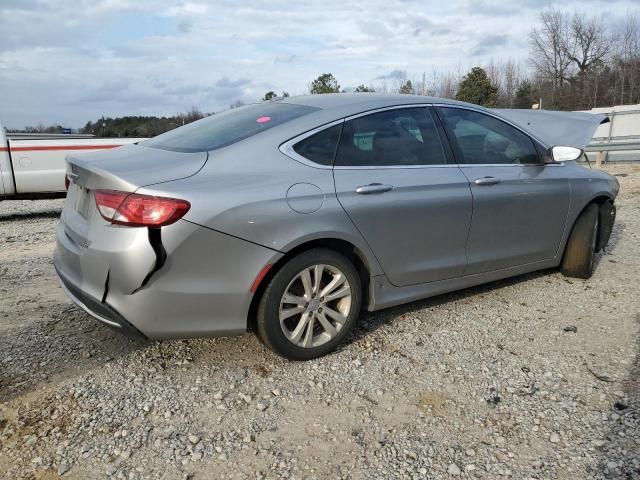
(411, 205)
(520, 204)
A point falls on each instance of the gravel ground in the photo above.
(532, 377)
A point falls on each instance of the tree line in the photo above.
(129, 126)
(140, 126)
(575, 62)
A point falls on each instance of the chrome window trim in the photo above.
(395, 167)
(447, 165)
(287, 147)
(384, 109)
(462, 165)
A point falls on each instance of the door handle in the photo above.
(487, 181)
(373, 188)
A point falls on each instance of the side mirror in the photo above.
(565, 154)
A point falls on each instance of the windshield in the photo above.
(226, 128)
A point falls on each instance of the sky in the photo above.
(68, 62)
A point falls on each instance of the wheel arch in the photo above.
(606, 218)
(345, 247)
(603, 200)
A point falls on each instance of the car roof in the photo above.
(362, 101)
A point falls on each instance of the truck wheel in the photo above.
(579, 254)
(310, 305)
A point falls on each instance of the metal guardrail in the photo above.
(613, 146)
(603, 145)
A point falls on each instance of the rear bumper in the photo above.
(202, 289)
(98, 310)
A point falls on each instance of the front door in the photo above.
(520, 204)
(412, 206)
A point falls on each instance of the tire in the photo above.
(579, 254)
(328, 320)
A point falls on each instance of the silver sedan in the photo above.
(288, 217)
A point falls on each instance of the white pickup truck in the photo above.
(33, 166)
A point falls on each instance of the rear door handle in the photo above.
(373, 188)
(487, 181)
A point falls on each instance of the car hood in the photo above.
(571, 129)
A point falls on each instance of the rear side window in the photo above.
(321, 147)
(226, 128)
(398, 137)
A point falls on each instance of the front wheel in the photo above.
(310, 305)
(580, 252)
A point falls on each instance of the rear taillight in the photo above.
(66, 182)
(136, 210)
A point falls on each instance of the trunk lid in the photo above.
(126, 169)
(130, 167)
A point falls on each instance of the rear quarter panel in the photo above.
(242, 191)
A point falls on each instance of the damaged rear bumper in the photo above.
(98, 310)
(199, 284)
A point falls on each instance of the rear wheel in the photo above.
(579, 254)
(310, 305)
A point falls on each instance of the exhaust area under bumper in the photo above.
(98, 310)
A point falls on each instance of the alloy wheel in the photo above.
(315, 305)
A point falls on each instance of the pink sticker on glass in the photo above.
(263, 119)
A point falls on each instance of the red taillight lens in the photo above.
(66, 182)
(136, 210)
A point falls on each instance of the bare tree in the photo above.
(494, 72)
(589, 42)
(448, 86)
(400, 80)
(549, 48)
(629, 56)
(381, 87)
(511, 73)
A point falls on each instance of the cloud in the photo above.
(187, 8)
(185, 26)
(71, 62)
(224, 82)
(392, 75)
(285, 58)
(486, 44)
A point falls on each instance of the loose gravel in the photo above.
(528, 378)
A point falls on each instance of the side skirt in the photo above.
(383, 294)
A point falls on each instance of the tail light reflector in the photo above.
(260, 277)
(137, 210)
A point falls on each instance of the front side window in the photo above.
(226, 128)
(483, 139)
(397, 137)
(321, 147)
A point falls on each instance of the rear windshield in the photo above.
(228, 127)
